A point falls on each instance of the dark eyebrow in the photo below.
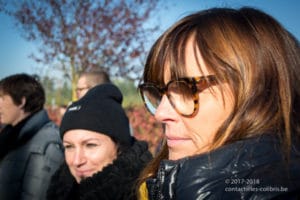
(84, 141)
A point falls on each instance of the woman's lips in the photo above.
(174, 141)
(84, 173)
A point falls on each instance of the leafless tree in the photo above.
(79, 35)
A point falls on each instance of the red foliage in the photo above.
(145, 127)
(55, 113)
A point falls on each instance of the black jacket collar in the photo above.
(13, 136)
(255, 159)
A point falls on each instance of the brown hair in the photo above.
(20, 86)
(250, 51)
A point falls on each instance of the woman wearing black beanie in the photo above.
(102, 159)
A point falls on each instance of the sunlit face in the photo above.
(87, 152)
(82, 87)
(190, 136)
(10, 113)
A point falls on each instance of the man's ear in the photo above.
(23, 102)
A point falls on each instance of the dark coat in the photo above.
(115, 182)
(250, 169)
(30, 153)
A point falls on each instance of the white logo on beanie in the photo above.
(75, 108)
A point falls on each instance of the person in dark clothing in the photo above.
(102, 159)
(30, 146)
(225, 84)
(1, 124)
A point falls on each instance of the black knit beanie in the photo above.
(99, 110)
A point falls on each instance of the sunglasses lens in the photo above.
(152, 98)
(181, 97)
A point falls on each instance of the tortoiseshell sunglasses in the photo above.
(182, 93)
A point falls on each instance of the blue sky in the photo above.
(14, 50)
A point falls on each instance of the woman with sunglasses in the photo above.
(226, 85)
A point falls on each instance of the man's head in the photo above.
(90, 79)
(20, 95)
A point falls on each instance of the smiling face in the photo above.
(189, 136)
(87, 152)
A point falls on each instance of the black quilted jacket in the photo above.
(250, 169)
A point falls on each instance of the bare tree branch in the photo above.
(87, 34)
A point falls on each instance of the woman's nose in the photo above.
(165, 110)
(79, 157)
